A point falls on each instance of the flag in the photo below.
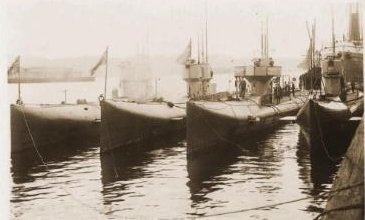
(102, 60)
(14, 69)
(184, 56)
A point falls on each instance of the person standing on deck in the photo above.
(278, 93)
(353, 86)
(242, 88)
(285, 89)
(271, 91)
(293, 89)
(236, 86)
(275, 92)
(288, 89)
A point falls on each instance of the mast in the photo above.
(333, 35)
(190, 49)
(198, 49)
(267, 38)
(65, 93)
(156, 85)
(310, 46)
(203, 49)
(206, 32)
(313, 52)
(314, 41)
(262, 38)
(106, 70)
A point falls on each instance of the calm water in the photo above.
(78, 183)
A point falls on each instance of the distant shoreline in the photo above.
(50, 79)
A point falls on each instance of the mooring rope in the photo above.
(317, 119)
(31, 137)
(47, 167)
(218, 134)
(333, 159)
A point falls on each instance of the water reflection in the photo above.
(25, 164)
(120, 167)
(248, 161)
(303, 160)
(330, 142)
(34, 185)
(127, 163)
(205, 168)
(321, 166)
(159, 181)
(316, 171)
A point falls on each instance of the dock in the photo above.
(346, 199)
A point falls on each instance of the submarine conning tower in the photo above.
(197, 76)
(259, 75)
(332, 78)
(262, 72)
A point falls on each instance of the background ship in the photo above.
(326, 119)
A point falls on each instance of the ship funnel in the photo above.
(354, 25)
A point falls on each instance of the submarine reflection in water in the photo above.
(123, 169)
(314, 165)
(29, 162)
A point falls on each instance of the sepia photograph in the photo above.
(182, 109)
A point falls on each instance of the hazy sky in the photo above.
(84, 28)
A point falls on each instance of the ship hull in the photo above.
(215, 124)
(39, 126)
(125, 124)
(326, 125)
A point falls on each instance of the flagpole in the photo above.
(18, 70)
(19, 86)
(106, 70)
(198, 49)
(206, 32)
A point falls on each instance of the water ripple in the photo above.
(161, 181)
